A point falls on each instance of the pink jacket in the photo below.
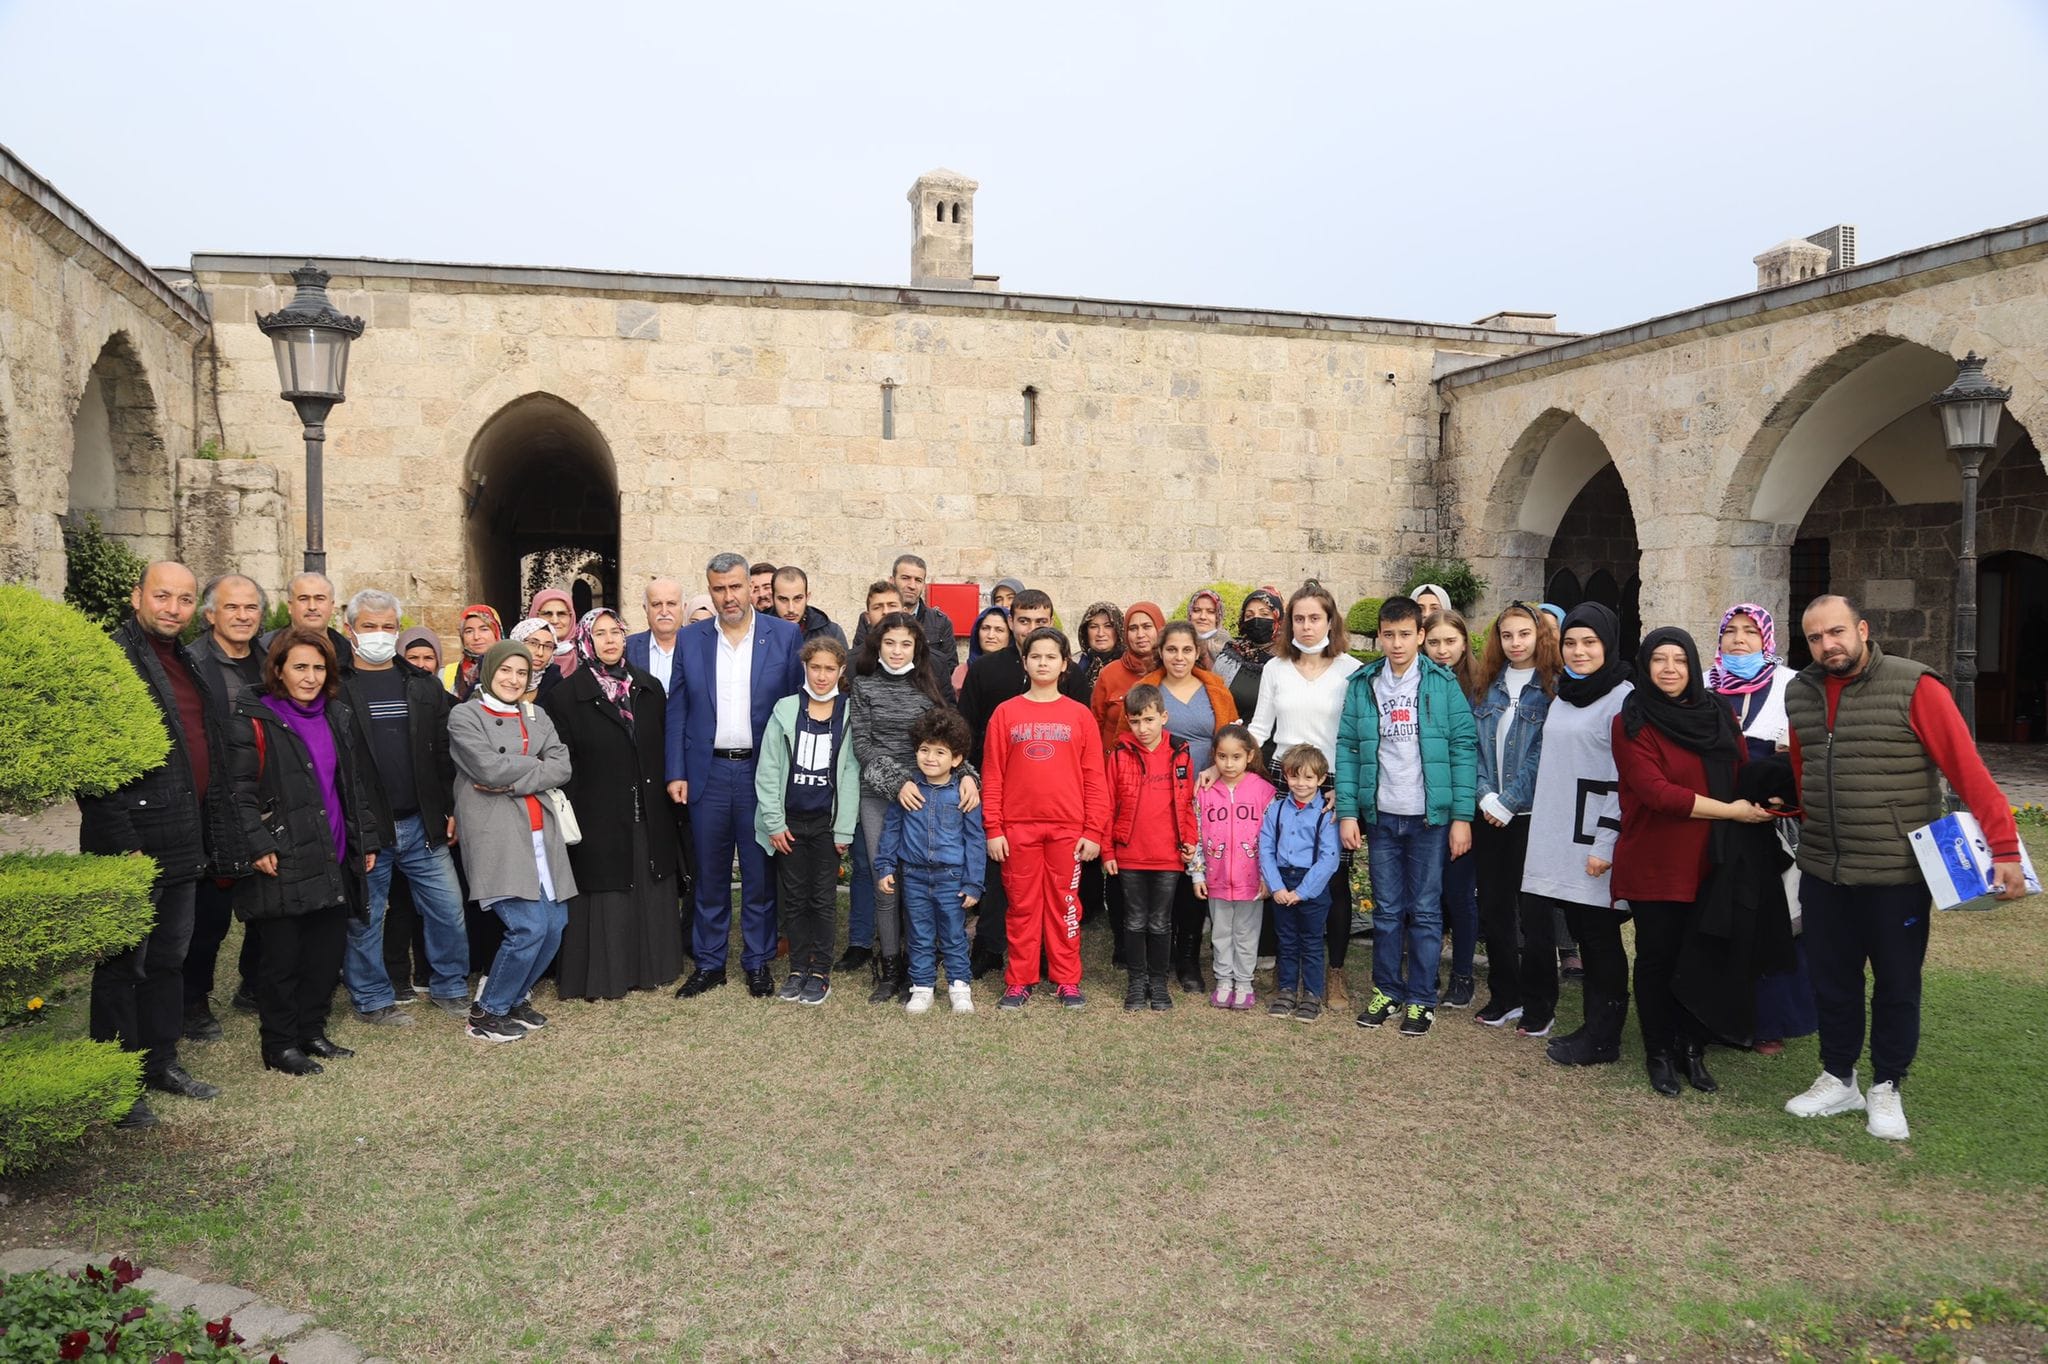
(1230, 822)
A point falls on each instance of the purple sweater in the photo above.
(310, 724)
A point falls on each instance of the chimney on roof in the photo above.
(942, 230)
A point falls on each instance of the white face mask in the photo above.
(377, 646)
(564, 647)
(821, 695)
(1314, 648)
(1207, 634)
(903, 671)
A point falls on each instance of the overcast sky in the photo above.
(1606, 161)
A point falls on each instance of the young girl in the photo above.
(807, 803)
(1577, 817)
(1298, 858)
(1046, 815)
(1447, 639)
(893, 684)
(1229, 814)
(1515, 685)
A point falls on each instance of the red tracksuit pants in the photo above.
(1044, 884)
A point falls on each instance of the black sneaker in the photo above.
(1308, 1010)
(1459, 996)
(1378, 1011)
(1415, 1023)
(1497, 1014)
(1281, 1007)
(1014, 998)
(816, 990)
(793, 988)
(493, 1027)
(1533, 1027)
(1070, 997)
(853, 958)
(528, 1017)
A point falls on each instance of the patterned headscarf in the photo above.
(1090, 659)
(1725, 683)
(466, 670)
(615, 680)
(566, 652)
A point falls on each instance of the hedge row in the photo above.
(51, 1092)
(60, 910)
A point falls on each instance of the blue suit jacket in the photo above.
(636, 648)
(693, 690)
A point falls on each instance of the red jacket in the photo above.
(1042, 764)
(1662, 851)
(1152, 804)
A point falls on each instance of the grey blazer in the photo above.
(493, 831)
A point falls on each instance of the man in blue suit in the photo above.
(654, 649)
(729, 673)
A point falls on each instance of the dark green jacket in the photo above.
(1866, 781)
(1448, 734)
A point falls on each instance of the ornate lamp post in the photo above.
(311, 340)
(1969, 409)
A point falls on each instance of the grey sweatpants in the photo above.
(888, 907)
(1234, 940)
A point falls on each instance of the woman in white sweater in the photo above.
(1301, 701)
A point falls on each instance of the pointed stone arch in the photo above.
(542, 481)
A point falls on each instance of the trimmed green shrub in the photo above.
(51, 1092)
(99, 573)
(1233, 595)
(1455, 576)
(98, 1313)
(1363, 619)
(74, 716)
(60, 910)
(279, 617)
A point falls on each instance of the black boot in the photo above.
(901, 971)
(1137, 989)
(1598, 1042)
(885, 984)
(1158, 949)
(1663, 1073)
(853, 958)
(1696, 1073)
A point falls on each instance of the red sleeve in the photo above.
(1641, 770)
(995, 750)
(1939, 725)
(1094, 788)
(1798, 772)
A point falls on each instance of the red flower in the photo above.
(94, 1274)
(112, 1340)
(172, 1358)
(124, 1271)
(220, 1332)
(74, 1345)
(134, 1314)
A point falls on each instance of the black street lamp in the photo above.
(312, 340)
(1969, 409)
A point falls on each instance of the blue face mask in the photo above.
(1748, 667)
(1580, 676)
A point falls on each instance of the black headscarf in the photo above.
(1614, 670)
(1696, 720)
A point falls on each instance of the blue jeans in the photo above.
(533, 930)
(430, 871)
(1461, 909)
(860, 890)
(1299, 927)
(1407, 905)
(938, 923)
(722, 819)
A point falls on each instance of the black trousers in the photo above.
(992, 921)
(1189, 914)
(1099, 893)
(405, 938)
(298, 962)
(138, 994)
(213, 910)
(1846, 927)
(1148, 901)
(807, 886)
(1598, 929)
(1661, 926)
(1520, 930)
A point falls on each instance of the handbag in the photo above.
(565, 815)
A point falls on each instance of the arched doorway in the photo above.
(543, 508)
(120, 471)
(2012, 648)
(1595, 549)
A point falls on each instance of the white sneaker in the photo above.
(1826, 1097)
(1887, 1113)
(961, 996)
(920, 999)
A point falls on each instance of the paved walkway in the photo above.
(2022, 771)
(290, 1335)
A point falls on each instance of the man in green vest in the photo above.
(1872, 734)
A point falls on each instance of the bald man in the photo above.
(655, 647)
(177, 813)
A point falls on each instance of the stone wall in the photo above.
(75, 306)
(1169, 451)
(233, 514)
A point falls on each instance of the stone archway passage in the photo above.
(2012, 648)
(542, 483)
(120, 470)
(1595, 547)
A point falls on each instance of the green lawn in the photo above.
(732, 1178)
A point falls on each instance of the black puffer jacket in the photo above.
(616, 781)
(159, 812)
(278, 801)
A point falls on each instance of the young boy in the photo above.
(806, 801)
(1407, 753)
(1298, 856)
(1046, 806)
(942, 853)
(1152, 840)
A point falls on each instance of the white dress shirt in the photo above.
(735, 668)
(660, 662)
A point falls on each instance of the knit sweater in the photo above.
(884, 708)
(1577, 811)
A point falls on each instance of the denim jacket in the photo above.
(937, 836)
(1517, 787)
